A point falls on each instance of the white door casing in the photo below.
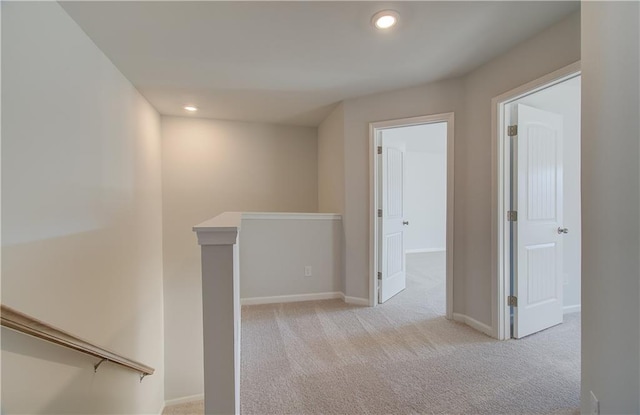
(392, 260)
(537, 230)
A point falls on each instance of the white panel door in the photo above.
(392, 258)
(539, 228)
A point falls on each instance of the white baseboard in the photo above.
(356, 300)
(471, 322)
(291, 298)
(185, 399)
(571, 309)
(305, 297)
(424, 250)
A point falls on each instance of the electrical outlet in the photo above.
(307, 271)
(595, 404)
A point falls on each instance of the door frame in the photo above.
(374, 171)
(501, 194)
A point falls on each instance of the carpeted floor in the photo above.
(327, 357)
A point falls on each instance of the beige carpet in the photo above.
(326, 357)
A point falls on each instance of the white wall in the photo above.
(564, 99)
(611, 206)
(209, 167)
(276, 248)
(81, 213)
(425, 184)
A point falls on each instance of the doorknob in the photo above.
(563, 230)
(405, 222)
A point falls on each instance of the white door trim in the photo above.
(500, 195)
(374, 169)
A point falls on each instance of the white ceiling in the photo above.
(291, 62)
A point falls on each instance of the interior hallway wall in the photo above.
(331, 162)
(331, 172)
(611, 206)
(275, 249)
(82, 220)
(564, 99)
(209, 167)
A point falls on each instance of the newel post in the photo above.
(218, 238)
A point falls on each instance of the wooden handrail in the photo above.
(23, 323)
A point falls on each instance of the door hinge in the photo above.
(512, 130)
(512, 216)
(379, 213)
(379, 275)
(512, 301)
(379, 149)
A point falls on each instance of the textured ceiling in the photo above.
(290, 62)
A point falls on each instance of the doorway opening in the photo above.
(412, 210)
(537, 203)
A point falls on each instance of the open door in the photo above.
(392, 276)
(538, 228)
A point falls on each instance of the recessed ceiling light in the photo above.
(385, 19)
(190, 108)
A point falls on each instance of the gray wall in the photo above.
(331, 162)
(81, 215)
(209, 167)
(275, 249)
(331, 172)
(610, 206)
